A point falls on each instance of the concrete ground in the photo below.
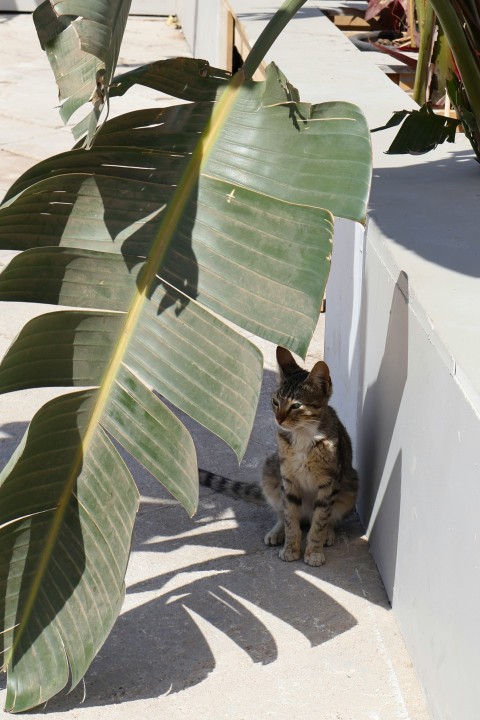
(214, 624)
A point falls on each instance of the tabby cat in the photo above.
(311, 476)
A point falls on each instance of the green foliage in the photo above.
(457, 64)
(169, 222)
(422, 131)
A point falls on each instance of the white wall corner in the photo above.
(343, 336)
(207, 28)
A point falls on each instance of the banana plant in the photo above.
(458, 67)
(164, 225)
(461, 24)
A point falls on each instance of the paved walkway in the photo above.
(214, 625)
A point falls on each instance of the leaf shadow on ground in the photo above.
(10, 435)
(216, 568)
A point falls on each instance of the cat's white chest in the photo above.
(297, 460)
(302, 441)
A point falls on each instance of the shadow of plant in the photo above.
(222, 574)
(206, 592)
(10, 436)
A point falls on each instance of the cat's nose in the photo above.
(280, 417)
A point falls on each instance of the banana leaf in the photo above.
(422, 130)
(82, 41)
(175, 226)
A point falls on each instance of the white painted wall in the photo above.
(344, 295)
(418, 454)
(205, 26)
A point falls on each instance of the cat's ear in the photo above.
(286, 362)
(320, 373)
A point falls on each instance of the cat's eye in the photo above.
(275, 402)
(295, 406)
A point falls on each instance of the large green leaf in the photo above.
(72, 541)
(422, 131)
(186, 78)
(148, 238)
(82, 41)
(255, 236)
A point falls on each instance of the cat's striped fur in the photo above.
(311, 476)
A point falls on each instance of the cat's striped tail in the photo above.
(249, 491)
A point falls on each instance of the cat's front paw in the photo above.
(314, 558)
(288, 554)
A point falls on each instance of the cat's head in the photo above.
(301, 395)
